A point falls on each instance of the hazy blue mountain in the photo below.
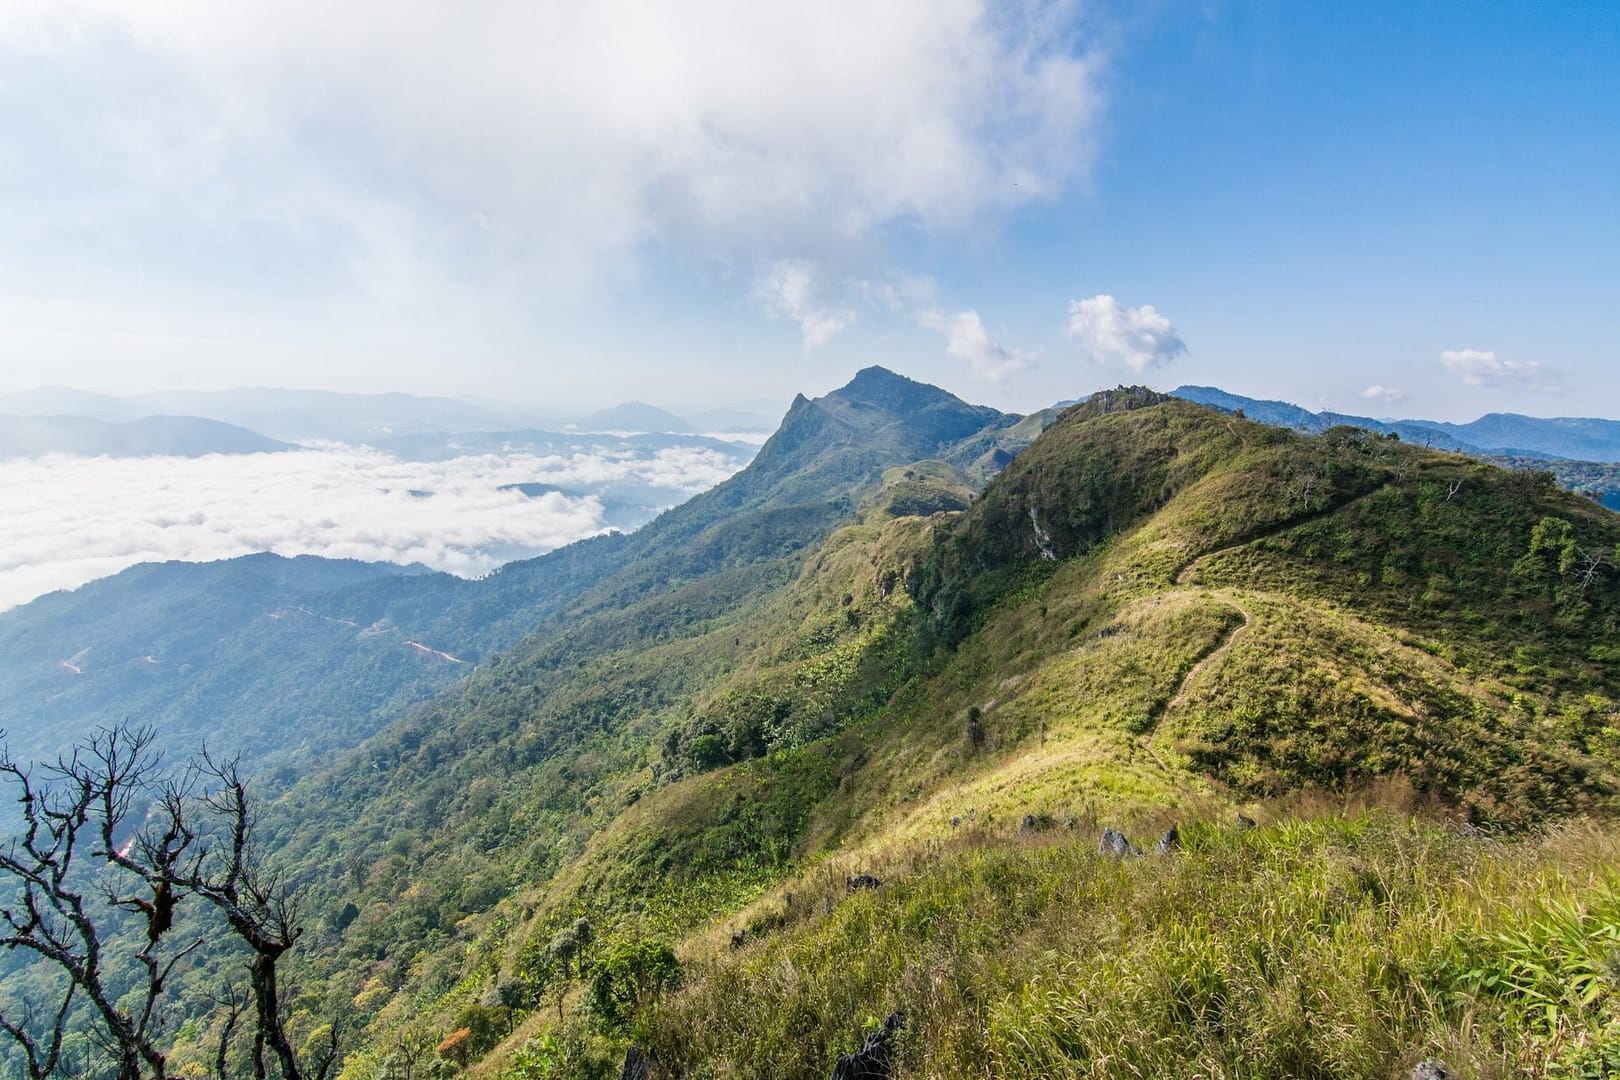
(184, 436)
(284, 414)
(1280, 413)
(66, 401)
(443, 446)
(1578, 438)
(751, 419)
(322, 414)
(634, 416)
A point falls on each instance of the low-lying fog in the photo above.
(69, 520)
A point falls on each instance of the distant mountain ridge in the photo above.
(151, 436)
(291, 415)
(1577, 438)
(299, 415)
(634, 416)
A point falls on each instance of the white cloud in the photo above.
(1389, 395)
(408, 139)
(1138, 337)
(70, 520)
(1479, 367)
(967, 339)
(791, 288)
(906, 293)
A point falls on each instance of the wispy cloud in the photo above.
(1482, 367)
(412, 138)
(1387, 395)
(70, 520)
(966, 338)
(790, 288)
(1138, 337)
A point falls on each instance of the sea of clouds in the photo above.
(69, 520)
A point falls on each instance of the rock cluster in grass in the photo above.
(875, 1059)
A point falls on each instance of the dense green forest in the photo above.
(1370, 684)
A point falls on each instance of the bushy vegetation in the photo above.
(1324, 944)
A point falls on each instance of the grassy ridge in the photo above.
(1342, 944)
(1156, 610)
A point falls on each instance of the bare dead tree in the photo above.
(1307, 486)
(1589, 564)
(261, 910)
(195, 842)
(233, 1001)
(55, 868)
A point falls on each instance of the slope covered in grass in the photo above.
(1141, 617)
(1322, 945)
(1156, 612)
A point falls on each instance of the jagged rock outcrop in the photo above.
(638, 1066)
(875, 1059)
(1168, 843)
(1114, 843)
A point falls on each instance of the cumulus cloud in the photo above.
(1481, 367)
(790, 288)
(967, 339)
(1389, 395)
(1138, 337)
(409, 137)
(70, 520)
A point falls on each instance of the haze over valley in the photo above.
(82, 507)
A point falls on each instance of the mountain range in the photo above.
(836, 740)
(183, 436)
(303, 415)
(1508, 434)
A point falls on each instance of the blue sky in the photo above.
(1395, 209)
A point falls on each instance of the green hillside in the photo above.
(1155, 613)
(849, 659)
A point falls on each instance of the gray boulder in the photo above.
(875, 1059)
